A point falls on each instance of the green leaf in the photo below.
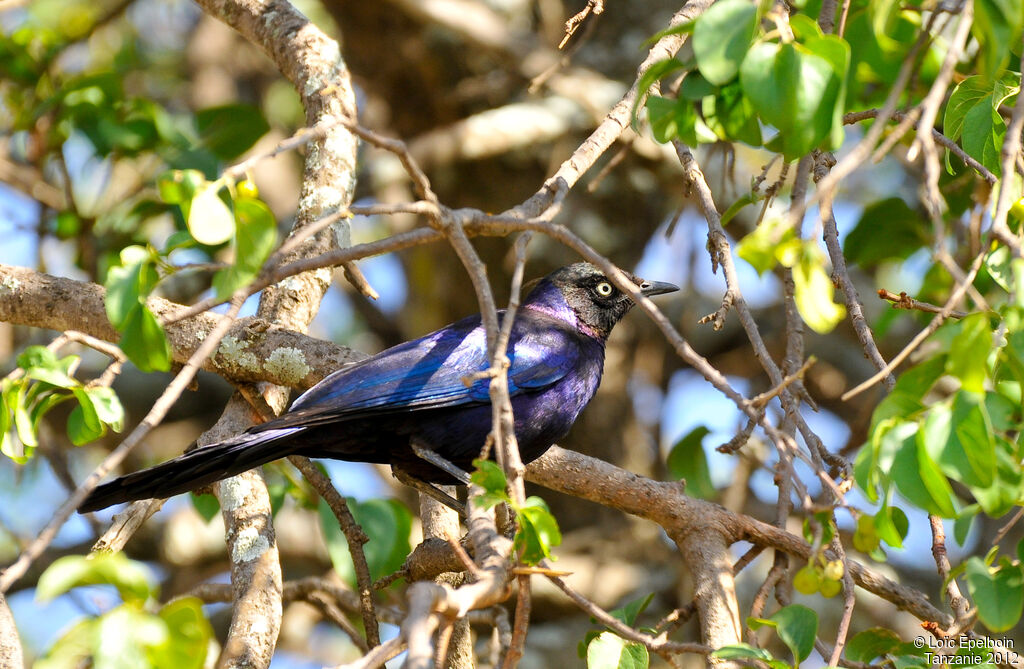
(887, 230)
(997, 24)
(804, 27)
(794, 90)
(909, 661)
(1008, 489)
(796, 626)
(983, 133)
(43, 406)
(1003, 413)
(972, 92)
(37, 356)
(672, 119)
(825, 526)
(918, 478)
(997, 592)
(684, 28)
(386, 522)
(872, 643)
(84, 422)
(972, 117)
(125, 638)
(206, 505)
(631, 611)
(178, 239)
(997, 264)
(489, 476)
(731, 116)
(610, 651)
(687, 460)
(742, 651)
(891, 525)
(255, 239)
(23, 422)
(763, 246)
(836, 51)
(721, 37)
(132, 579)
(738, 205)
(144, 341)
(55, 376)
(865, 473)
(73, 648)
(695, 87)
(209, 219)
(538, 531)
(883, 13)
(906, 397)
(230, 130)
(9, 446)
(656, 71)
(962, 525)
(969, 352)
(107, 405)
(130, 284)
(814, 292)
(180, 186)
(189, 635)
(960, 440)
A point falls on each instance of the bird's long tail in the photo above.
(194, 469)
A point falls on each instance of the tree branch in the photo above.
(10, 644)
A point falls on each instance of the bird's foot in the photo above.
(431, 491)
(438, 461)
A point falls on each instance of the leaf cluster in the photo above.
(46, 381)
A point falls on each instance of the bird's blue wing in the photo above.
(428, 372)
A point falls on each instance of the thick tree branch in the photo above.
(312, 62)
(10, 644)
(666, 504)
(246, 354)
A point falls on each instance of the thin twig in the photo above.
(302, 137)
(957, 603)
(763, 398)
(932, 326)
(954, 148)
(377, 655)
(353, 534)
(657, 644)
(904, 301)
(593, 6)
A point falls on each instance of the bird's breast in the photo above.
(544, 417)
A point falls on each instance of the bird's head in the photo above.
(590, 295)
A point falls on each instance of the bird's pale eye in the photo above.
(604, 289)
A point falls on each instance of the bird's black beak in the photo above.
(649, 288)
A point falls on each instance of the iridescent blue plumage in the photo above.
(371, 411)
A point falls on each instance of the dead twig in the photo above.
(595, 7)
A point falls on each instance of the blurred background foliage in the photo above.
(101, 99)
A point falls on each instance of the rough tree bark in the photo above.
(10, 644)
(312, 62)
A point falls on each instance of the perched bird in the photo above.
(374, 410)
